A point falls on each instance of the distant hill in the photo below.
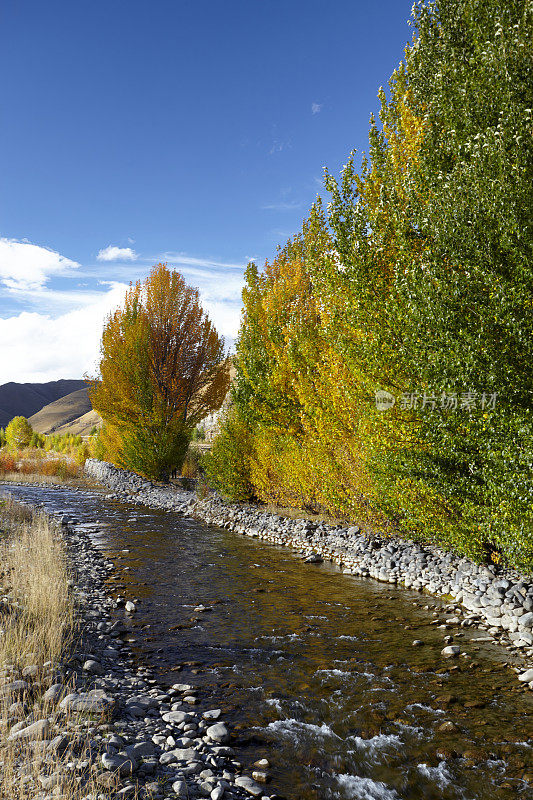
(82, 426)
(62, 413)
(25, 399)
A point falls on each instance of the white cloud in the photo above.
(316, 108)
(112, 253)
(38, 347)
(58, 331)
(27, 267)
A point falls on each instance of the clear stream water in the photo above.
(313, 669)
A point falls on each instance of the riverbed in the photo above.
(315, 670)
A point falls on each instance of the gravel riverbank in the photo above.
(490, 597)
(106, 725)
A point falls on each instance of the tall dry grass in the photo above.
(38, 625)
(41, 619)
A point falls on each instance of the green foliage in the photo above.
(2, 437)
(418, 281)
(198, 434)
(18, 433)
(37, 440)
(227, 466)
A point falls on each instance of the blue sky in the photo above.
(190, 132)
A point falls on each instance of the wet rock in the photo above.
(249, 785)
(447, 727)
(451, 651)
(213, 713)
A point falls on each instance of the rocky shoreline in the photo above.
(107, 722)
(492, 598)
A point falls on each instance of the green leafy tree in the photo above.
(18, 432)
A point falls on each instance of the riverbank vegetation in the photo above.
(39, 623)
(162, 370)
(384, 356)
(26, 455)
(38, 629)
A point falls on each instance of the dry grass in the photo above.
(35, 570)
(37, 628)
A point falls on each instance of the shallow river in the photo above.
(315, 670)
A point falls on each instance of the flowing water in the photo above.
(315, 670)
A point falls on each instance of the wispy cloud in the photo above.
(113, 253)
(176, 258)
(316, 108)
(283, 205)
(27, 267)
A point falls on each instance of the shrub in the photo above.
(227, 466)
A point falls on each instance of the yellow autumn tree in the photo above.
(162, 370)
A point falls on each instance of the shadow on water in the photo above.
(315, 670)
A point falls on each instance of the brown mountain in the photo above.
(25, 399)
(61, 413)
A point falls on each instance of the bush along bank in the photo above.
(96, 726)
(490, 597)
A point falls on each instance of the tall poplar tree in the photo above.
(162, 370)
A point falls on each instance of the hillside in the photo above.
(26, 399)
(70, 414)
(82, 426)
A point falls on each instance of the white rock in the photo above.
(249, 785)
(451, 651)
(218, 732)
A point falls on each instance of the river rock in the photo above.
(180, 789)
(176, 717)
(526, 676)
(218, 733)
(249, 785)
(86, 703)
(92, 666)
(120, 764)
(53, 694)
(37, 730)
(452, 651)
(14, 689)
(213, 713)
